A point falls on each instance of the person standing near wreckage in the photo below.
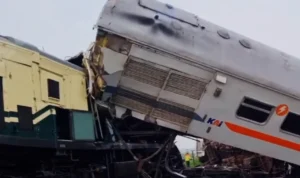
(187, 158)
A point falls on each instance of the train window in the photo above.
(53, 89)
(291, 123)
(254, 110)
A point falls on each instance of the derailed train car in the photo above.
(178, 71)
(154, 71)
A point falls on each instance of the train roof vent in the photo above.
(245, 43)
(223, 34)
(170, 11)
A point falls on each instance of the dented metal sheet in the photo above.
(201, 45)
(170, 11)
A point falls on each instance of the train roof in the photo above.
(176, 31)
(31, 47)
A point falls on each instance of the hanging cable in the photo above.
(167, 166)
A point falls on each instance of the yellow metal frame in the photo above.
(25, 73)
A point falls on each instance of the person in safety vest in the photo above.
(187, 158)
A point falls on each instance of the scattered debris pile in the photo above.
(220, 155)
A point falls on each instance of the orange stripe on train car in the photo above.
(262, 136)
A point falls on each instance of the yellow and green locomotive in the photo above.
(51, 125)
(36, 88)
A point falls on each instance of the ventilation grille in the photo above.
(145, 73)
(171, 117)
(181, 115)
(162, 109)
(132, 104)
(185, 86)
(134, 100)
(165, 110)
(177, 105)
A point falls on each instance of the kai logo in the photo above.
(215, 122)
(282, 110)
(210, 121)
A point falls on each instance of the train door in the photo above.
(2, 76)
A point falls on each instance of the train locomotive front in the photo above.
(52, 126)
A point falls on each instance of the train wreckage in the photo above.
(153, 72)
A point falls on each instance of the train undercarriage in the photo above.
(82, 164)
(125, 148)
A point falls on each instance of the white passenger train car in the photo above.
(174, 69)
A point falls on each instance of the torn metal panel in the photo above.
(169, 29)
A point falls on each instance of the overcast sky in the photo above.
(64, 27)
